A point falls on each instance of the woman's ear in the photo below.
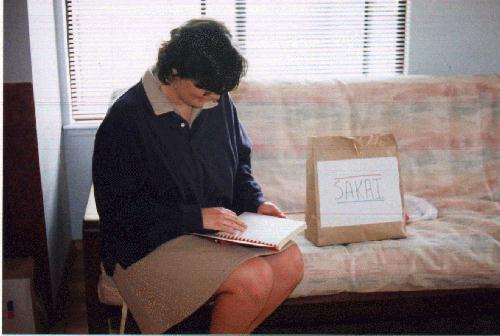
(174, 72)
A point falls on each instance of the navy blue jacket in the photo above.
(152, 175)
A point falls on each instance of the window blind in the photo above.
(112, 42)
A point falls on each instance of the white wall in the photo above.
(454, 37)
(79, 145)
(48, 110)
(17, 58)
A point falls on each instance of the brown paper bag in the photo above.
(354, 190)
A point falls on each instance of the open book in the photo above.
(263, 231)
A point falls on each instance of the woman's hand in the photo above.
(268, 208)
(221, 219)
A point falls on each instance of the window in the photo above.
(112, 42)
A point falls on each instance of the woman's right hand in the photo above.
(221, 219)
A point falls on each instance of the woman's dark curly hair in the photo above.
(201, 50)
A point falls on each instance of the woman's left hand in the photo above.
(268, 208)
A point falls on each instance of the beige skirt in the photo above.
(173, 281)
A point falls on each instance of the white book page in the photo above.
(268, 228)
(359, 191)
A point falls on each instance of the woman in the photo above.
(171, 158)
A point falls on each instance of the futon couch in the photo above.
(445, 276)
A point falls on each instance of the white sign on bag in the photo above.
(359, 191)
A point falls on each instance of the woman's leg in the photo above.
(241, 297)
(254, 290)
(288, 270)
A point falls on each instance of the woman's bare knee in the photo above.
(252, 280)
(287, 265)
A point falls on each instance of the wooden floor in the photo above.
(73, 319)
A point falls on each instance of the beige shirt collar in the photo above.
(159, 101)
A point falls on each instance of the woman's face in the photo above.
(191, 95)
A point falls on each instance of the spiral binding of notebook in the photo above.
(241, 239)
